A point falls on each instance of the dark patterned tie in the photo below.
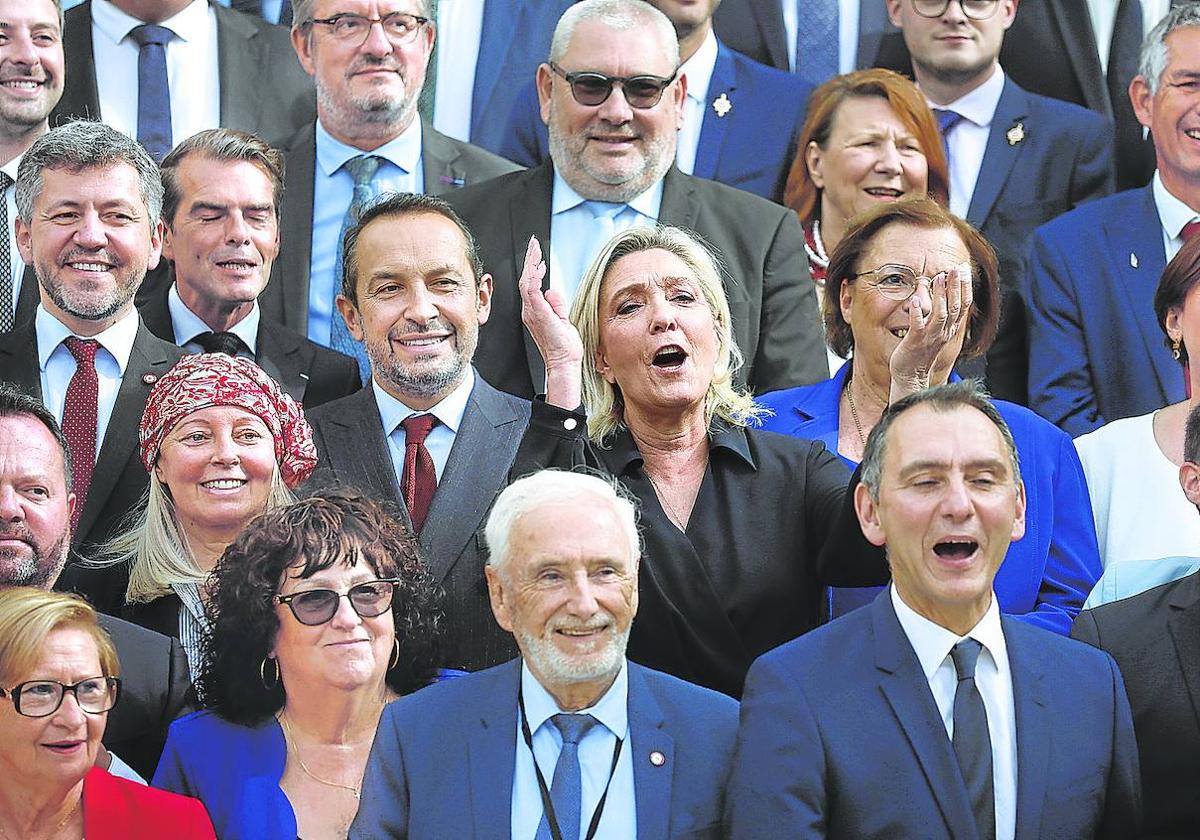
(79, 418)
(8, 302)
(154, 91)
(817, 40)
(419, 479)
(221, 342)
(566, 791)
(972, 744)
(362, 169)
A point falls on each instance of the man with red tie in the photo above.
(428, 432)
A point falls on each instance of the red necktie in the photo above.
(419, 480)
(1190, 230)
(79, 418)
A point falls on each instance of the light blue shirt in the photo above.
(187, 325)
(619, 821)
(449, 412)
(573, 239)
(57, 365)
(271, 9)
(333, 188)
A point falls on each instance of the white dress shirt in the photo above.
(699, 70)
(459, 28)
(968, 139)
(57, 365)
(847, 31)
(1173, 214)
(186, 325)
(619, 820)
(333, 189)
(573, 240)
(449, 412)
(16, 264)
(993, 677)
(191, 68)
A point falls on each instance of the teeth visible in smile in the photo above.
(88, 266)
(23, 84)
(224, 483)
(1194, 133)
(236, 264)
(421, 342)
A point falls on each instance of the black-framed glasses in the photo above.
(974, 9)
(591, 88)
(316, 606)
(41, 698)
(897, 282)
(399, 27)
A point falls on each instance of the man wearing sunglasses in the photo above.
(35, 539)
(570, 740)
(613, 101)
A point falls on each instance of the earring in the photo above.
(1175, 345)
(395, 654)
(262, 672)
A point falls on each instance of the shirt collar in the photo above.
(10, 168)
(117, 339)
(186, 324)
(449, 411)
(699, 68)
(564, 198)
(403, 151)
(932, 642)
(978, 106)
(1172, 213)
(612, 709)
(114, 24)
(623, 452)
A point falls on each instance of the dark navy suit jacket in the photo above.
(840, 737)
(443, 760)
(750, 146)
(1096, 352)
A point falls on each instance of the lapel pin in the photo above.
(657, 759)
(452, 181)
(1133, 260)
(722, 105)
(149, 378)
(1016, 134)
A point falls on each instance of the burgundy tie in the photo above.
(1190, 230)
(79, 418)
(419, 480)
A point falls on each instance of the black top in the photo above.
(770, 528)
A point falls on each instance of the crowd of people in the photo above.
(599, 419)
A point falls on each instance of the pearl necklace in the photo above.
(816, 251)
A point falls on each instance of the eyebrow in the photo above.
(971, 466)
(200, 206)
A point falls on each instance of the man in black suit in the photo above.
(429, 434)
(35, 528)
(89, 200)
(611, 169)
(221, 193)
(256, 84)
(368, 79)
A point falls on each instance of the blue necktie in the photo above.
(946, 120)
(566, 791)
(362, 169)
(972, 744)
(817, 40)
(154, 92)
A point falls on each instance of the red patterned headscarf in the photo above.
(211, 379)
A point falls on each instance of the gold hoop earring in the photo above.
(395, 654)
(1175, 345)
(262, 672)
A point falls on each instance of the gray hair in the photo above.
(528, 494)
(226, 145)
(1152, 60)
(942, 398)
(77, 146)
(621, 15)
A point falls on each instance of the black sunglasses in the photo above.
(316, 606)
(591, 89)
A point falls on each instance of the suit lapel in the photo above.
(1034, 730)
(492, 753)
(239, 58)
(19, 359)
(906, 689)
(651, 782)
(872, 24)
(769, 17)
(1000, 154)
(679, 206)
(529, 214)
(438, 159)
(279, 354)
(499, 19)
(712, 130)
(1184, 623)
(81, 96)
(156, 314)
(295, 231)
(1079, 41)
(28, 299)
(356, 435)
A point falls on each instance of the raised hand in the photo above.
(950, 300)
(545, 316)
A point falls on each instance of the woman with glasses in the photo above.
(911, 289)
(321, 614)
(58, 681)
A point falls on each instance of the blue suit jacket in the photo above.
(514, 40)
(852, 746)
(751, 147)
(1096, 352)
(1049, 572)
(443, 759)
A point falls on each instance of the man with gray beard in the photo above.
(569, 740)
(427, 433)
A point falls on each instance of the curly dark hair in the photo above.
(339, 526)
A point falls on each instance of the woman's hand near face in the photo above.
(913, 361)
(545, 316)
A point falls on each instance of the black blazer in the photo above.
(27, 298)
(264, 90)
(1155, 639)
(771, 294)
(353, 450)
(311, 374)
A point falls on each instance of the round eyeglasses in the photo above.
(41, 698)
(974, 9)
(399, 27)
(898, 282)
(591, 88)
(316, 606)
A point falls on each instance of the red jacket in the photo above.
(118, 809)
